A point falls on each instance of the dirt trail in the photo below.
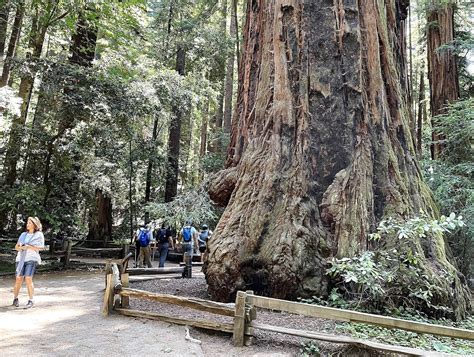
(66, 321)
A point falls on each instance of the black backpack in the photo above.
(161, 236)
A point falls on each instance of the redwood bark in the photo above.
(205, 115)
(321, 147)
(100, 220)
(442, 67)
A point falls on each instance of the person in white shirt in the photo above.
(27, 258)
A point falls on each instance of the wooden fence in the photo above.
(244, 317)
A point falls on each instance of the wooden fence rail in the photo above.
(354, 316)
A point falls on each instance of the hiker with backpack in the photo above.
(164, 238)
(188, 236)
(203, 237)
(143, 239)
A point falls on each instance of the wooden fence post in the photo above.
(250, 315)
(239, 319)
(125, 283)
(108, 296)
(188, 269)
(68, 252)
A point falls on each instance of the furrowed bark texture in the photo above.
(321, 147)
(442, 68)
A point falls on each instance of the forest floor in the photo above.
(66, 321)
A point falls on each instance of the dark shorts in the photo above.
(28, 269)
(188, 248)
(202, 248)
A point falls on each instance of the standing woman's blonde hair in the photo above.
(36, 222)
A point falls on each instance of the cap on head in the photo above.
(204, 226)
(189, 222)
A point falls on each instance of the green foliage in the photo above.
(310, 349)
(452, 177)
(412, 339)
(394, 275)
(194, 204)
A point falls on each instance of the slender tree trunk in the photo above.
(421, 109)
(130, 189)
(442, 68)
(229, 80)
(100, 220)
(220, 98)
(151, 159)
(14, 37)
(205, 115)
(174, 135)
(321, 150)
(4, 14)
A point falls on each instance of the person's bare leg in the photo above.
(30, 286)
(17, 287)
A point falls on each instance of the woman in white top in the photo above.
(28, 247)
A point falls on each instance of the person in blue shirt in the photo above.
(28, 246)
(188, 235)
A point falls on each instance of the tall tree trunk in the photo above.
(229, 79)
(321, 150)
(100, 221)
(4, 14)
(14, 37)
(205, 115)
(174, 135)
(421, 110)
(151, 159)
(220, 98)
(442, 68)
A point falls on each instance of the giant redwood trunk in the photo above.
(442, 68)
(100, 221)
(320, 149)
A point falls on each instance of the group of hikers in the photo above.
(189, 239)
(31, 242)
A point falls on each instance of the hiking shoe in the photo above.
(29, 304)
(16, 303)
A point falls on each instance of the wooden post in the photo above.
(68, 251)
(250, 315)
(125, 302)
(107, 269)
(188, 269)
(108, 296)
(239, 319)
(125, 250)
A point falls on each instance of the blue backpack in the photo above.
(187, 234)
(143, 238)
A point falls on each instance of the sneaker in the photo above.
(16, 303)
(29, 304)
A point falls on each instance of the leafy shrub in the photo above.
(394, 275)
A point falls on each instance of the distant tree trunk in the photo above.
(130, 188)
(205, 115)
(174, 135)
(151, 159)
(321, 150)
(100, 221)
(421, 110)
(442, 68)
(220, 98)
(4, 14)
(229, 80)
(14, 37)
